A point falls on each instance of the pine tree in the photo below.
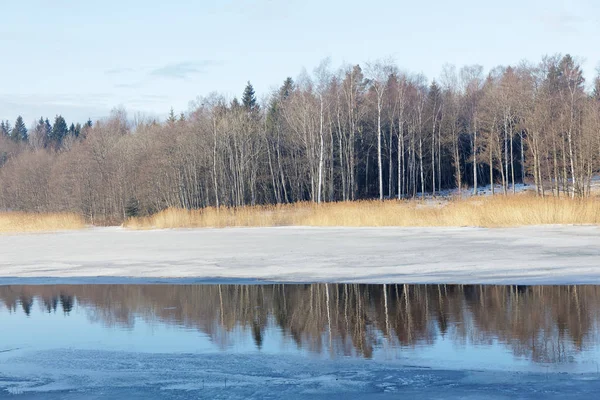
(249, 98)
(19, 132)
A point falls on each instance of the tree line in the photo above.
(43, 134)
(371, 132)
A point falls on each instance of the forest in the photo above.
(352, 133)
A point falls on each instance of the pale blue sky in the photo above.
(81, 58)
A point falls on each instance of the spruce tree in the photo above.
(132, 208)
(59, 130)
(48, 127)
(172, 119)
(83, 131)
(74, 130)
(571, 75)
(19, 132)
(40, 125)
(249, 98)
(287, 88)
(40, 135)
(435, 94)
(4, 128)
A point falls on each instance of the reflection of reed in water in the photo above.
(542, 323)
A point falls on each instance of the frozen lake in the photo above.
(80, 317)
(530, 255)
(298, 341)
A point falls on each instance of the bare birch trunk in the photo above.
(321, 144)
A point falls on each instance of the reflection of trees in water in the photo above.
(542, 323)
(26, 303)
(50, 303)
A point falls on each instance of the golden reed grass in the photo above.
(11, 222)
(497, 211)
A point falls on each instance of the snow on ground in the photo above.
(527, 255)
(485, 190)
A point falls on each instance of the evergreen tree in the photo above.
(39, 135)
(48, 127)
(287, 88)
(435, 93)
(40, 124)
(5, 128)
(47, 132)
(249, 98)
(59, 130)
(132, 208)
(273, 113)
(571, 75)
(596, 92)
(83, 130)
(172, 119)
(235, 103)
(19, 132)
(74, 130)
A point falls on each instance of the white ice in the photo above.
(527, 255)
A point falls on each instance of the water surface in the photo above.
(455, 328)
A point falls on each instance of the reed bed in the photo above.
(497, 211)
(11, 222)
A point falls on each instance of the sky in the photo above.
(83, 58)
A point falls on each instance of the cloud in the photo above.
(118, 71)
(561, 22)
(182, 70)
(132, 85)
(142, 76)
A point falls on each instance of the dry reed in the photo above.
(11, 222)
(497, 211)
